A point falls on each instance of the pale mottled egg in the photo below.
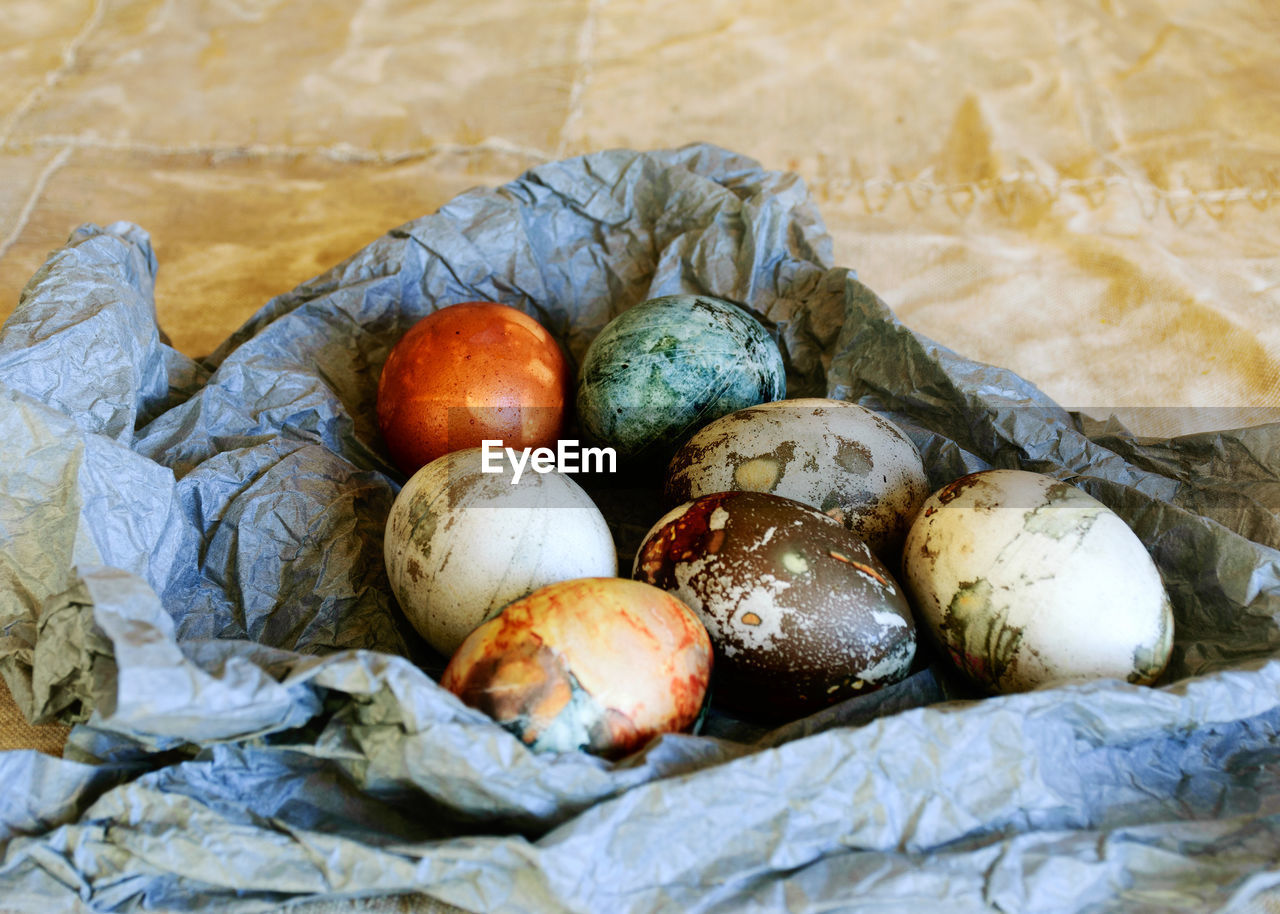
(599, 664)
(661, 369)
(1026, 580)
(461, 543)
(841, 458)
(801, 613)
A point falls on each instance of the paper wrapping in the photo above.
(192, 566)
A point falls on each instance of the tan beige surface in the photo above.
(1082, 191)
(1085, 191)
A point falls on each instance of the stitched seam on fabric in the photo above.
(876, 193)
(340, 152)
(29, 205)
(582, 75)
(1005, 191)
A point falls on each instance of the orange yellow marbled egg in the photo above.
(599, 664)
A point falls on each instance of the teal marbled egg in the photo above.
(661, 370)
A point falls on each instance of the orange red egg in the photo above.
(470, 372)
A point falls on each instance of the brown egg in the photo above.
(800, 611)
(467, 373)
(601, 664)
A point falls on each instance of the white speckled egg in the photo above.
(838, 457)
(462, 543)
(1026, 580)
(800, 613)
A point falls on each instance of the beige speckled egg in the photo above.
(800, 612)
(1026, 580)
(838, 457)
(462, 543)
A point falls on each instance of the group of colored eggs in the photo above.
(772, 566)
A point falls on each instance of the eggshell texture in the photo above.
(468, 372)
(461, 543)
(601, 664)
(801, 614)
(660, 370)
(838, 457)
(1026, 580)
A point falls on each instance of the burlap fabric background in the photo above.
(1084, 191)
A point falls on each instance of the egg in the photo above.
(470, 372)
(838, 457)
(1025, 580)
(800, 612)
(662, 369)
(461, 542)
(601, 664)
